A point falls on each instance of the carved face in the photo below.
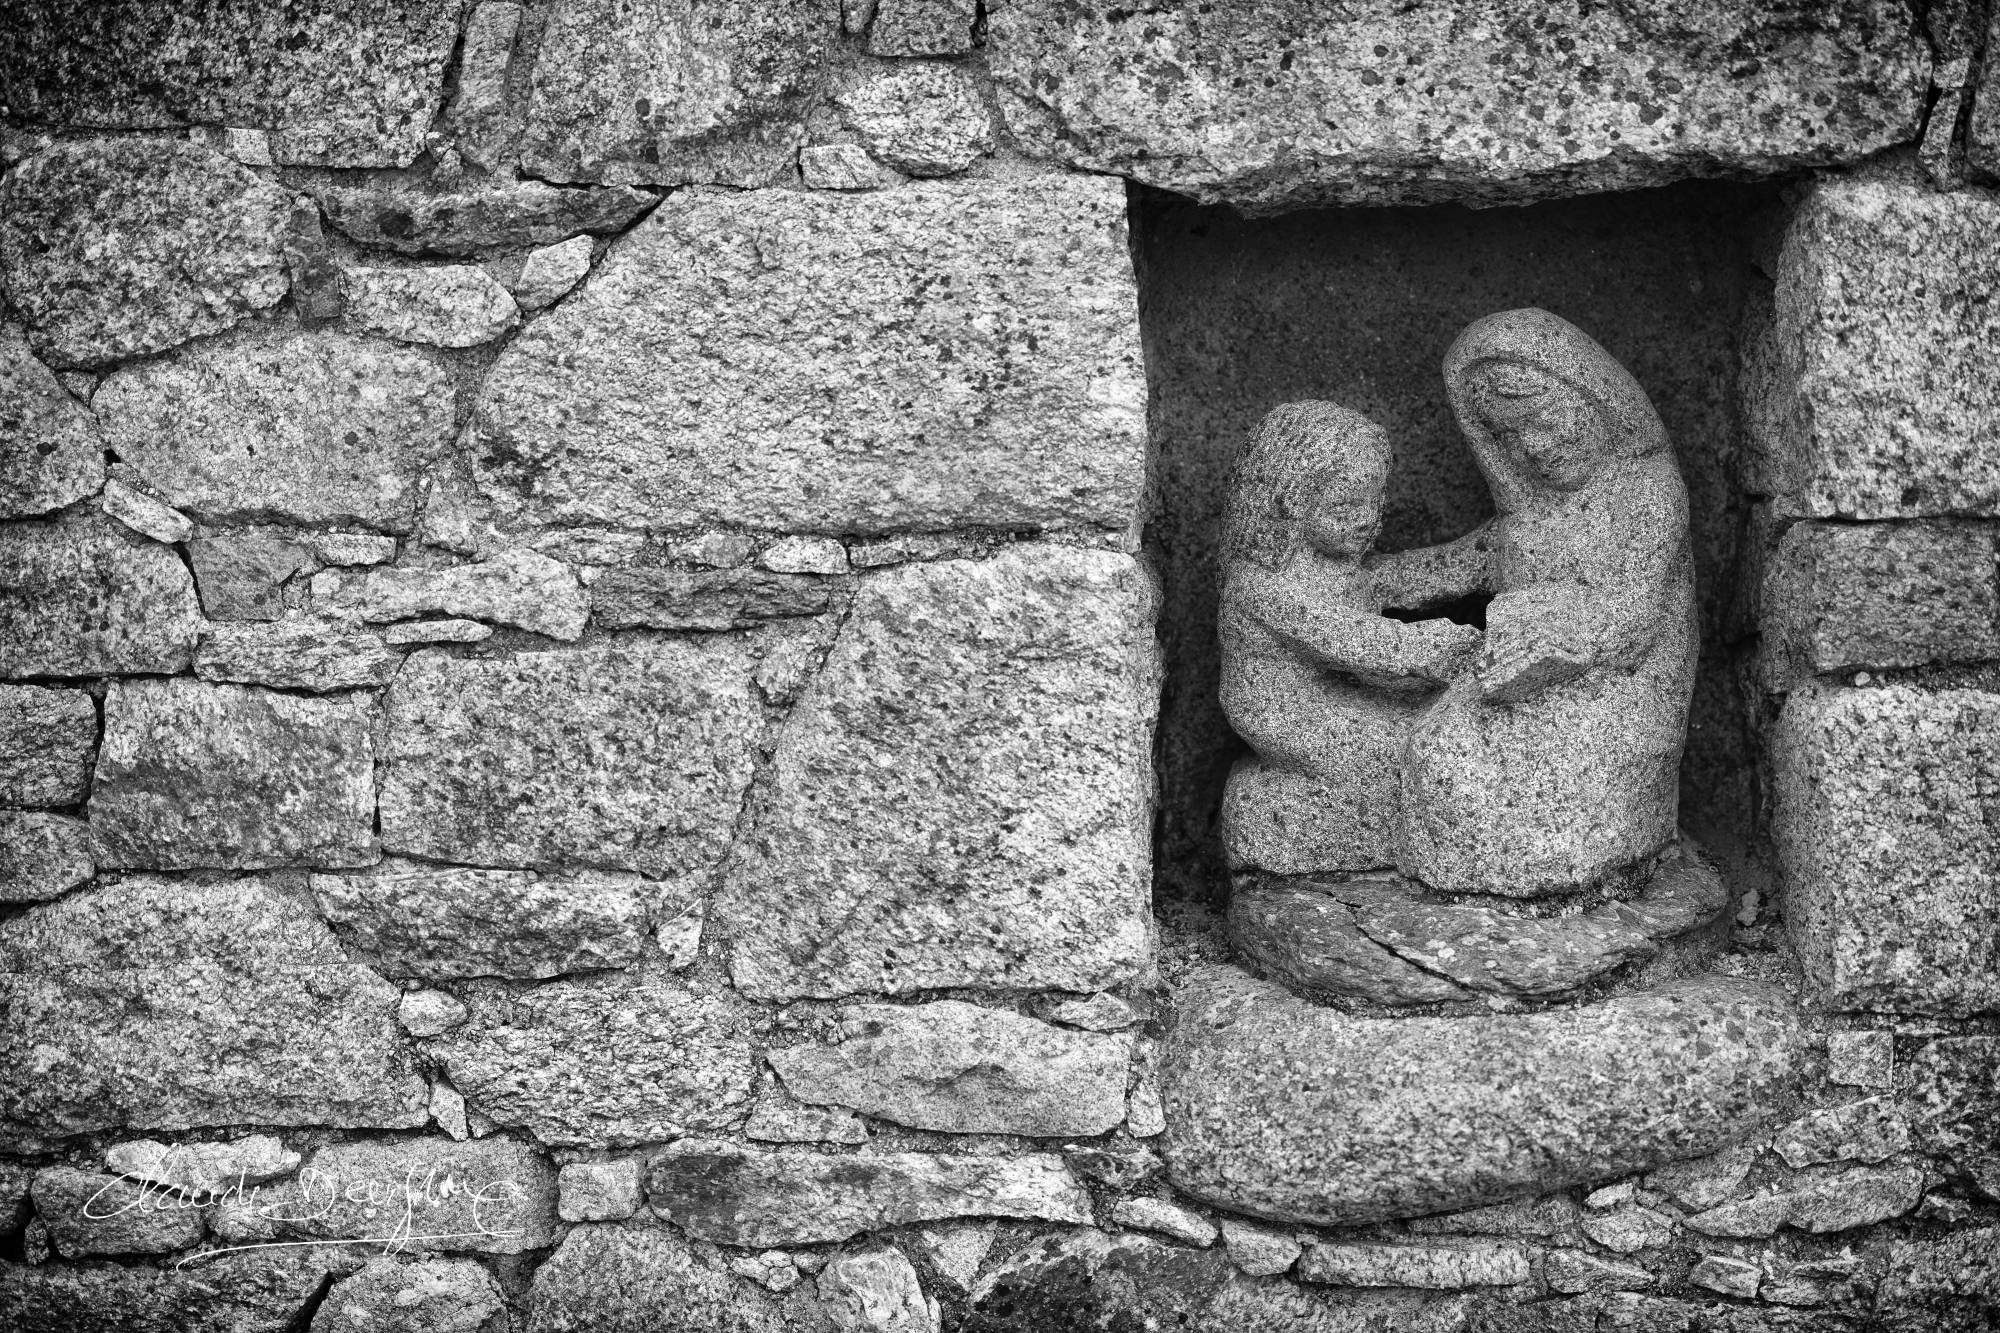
(1339, 512)
(1554, 434)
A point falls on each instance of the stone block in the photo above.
(962, 797)
(88, 1213)
(193, 774)
(1490, 1263)
(48, 739)
(490, 1195)
(1947, 1285)
(451, 305)
(89, 598)
(633, 756)
(676, 91)
(1953, 1086)
(295, 655)
(113, 248)
(600, 1191)
(720, 1193)
(1881, 806)
(550, 272)
(1870, 1130)
(1259, 1251)
(875, 1290)
(780, 1118)
(203, 1168)
(265, 1020)
(843, 166)
(1168, 1218)
(595, 1066)
(50, 455)
(482, 127)
(504, 216)
(42, 855)
(144, 514)
(1837, 596)
(922, 27)
(1287, 106)
(412, 1296)
(609, 1279)
(314, 428)
(266, 1291)
(241, 575)
(1868, 393)
(924, 118)
(513, 587)
(706, 599)
(963, 1069)
(1432, 1114)
(439, 922)
(707, 374)
(349, 85)
(1865, 1059)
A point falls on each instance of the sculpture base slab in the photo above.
(1281, 1108)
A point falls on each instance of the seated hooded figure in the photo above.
(1319, 683)
(1554, 763)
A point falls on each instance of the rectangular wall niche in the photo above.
(1358, 306)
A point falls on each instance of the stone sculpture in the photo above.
(1456, 847)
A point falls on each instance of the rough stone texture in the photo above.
(195, 774)
(1863, 1059)
(1258, 1251)
(349, 548)
(241, 575)
(1837, 596)
(876, 1291)
(1630, 1229)
(87, 1213)
(963, 1069)
(1705, 1182)
(1254, 1125)
(440, 922)
(668, 392)
(631, 757)
(1578, 1270)
(804, 555)
(294, 655)
(1954, 1083)
(720, 1193)
(1306, 940)
(922, 27)
(780, 1118)
(268, 1021)
(925, 119)
(1489, 1263)
(1870, 1130)
(675, 91)
(607, 1279)
(505, 216)
(889, 854)
(551, 271)
(1169, 1219)
(703, 599)
(260, 1292)
(843, 166)
(482, 126)
(144, 514)
(597, 1066)
(1552, 1217)
(1856, 1197)
(353, 85)
(438, 631)
(1882, 806)
(50, 455)
(42, 855)
(1868, 388)
(411, 1296)
(47, 741)
(514, 587)
(426, 1013)
(1949, 1285)
(89, 598)
(453, 305)
(600, 1191)
(314, 428)
(116, 248)
(203, 1168)
(1731, 1277)
(1286, 106)
(493, 1196)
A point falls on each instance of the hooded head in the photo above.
(1543, 406)
(1314, 473)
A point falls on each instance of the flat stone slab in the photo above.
(624, 1279)
(964, 1069)
(720, 1193)
(50, 455)
(962, 796)
(1271, 107)
(753, 359)
(261, 1291)
(266, 1020)
(466, 222)
(1306, 939)
(1283, 1109)
(193, 774)
(629, 756)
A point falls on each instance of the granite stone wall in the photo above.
(606, 636)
